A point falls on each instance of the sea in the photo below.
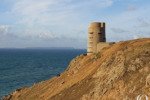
(24, 67)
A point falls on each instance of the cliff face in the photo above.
(119, 72)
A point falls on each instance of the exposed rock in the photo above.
(148, 81)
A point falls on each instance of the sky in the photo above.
(64, 23)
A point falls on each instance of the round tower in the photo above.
(96, 34)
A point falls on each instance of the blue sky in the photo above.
(64, 23)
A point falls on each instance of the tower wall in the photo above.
(96, 34)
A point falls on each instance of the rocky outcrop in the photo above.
(118, 72)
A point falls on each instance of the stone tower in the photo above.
(96, 34)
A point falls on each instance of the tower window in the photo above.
(91, 32)
(90, 42)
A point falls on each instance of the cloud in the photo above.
(31, 7)
(119, 30)
(42, 11)
(105, 3)
(131, 8)
(129, 24)
(52, 18)
(143, 22)
(4, 29)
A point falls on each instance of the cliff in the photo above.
(118, 72)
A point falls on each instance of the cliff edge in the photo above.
(118, 72)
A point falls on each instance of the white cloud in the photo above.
(131, 8)
(105, 3)
(40, 11)
(69, 19)
(43, 18)
(119, 30)
(4, 29)
(31, 7)
(129, 24)
(143, 23)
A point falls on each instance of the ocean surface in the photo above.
(24, 67)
